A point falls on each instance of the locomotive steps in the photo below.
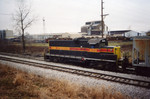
(86, 72)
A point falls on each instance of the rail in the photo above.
(101, 76)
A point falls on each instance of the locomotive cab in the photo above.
(98, 43)
(102, 45)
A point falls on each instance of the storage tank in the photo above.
(141, 51)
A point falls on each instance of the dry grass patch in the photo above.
(10, 47)
(16, 84)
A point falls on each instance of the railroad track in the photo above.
(130, 70)
(28, 56)
(101, 76)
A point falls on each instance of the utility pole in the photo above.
(43, 25)
(102, 18)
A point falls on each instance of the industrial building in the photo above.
(148, 33)
(124, 33)
(6, 34)
(56, 35)
(118, 33)
(92, 28)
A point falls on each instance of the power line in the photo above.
(5, 14)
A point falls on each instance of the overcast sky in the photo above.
(70, 15)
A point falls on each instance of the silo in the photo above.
(141, 51)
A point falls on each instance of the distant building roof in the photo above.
(119, 31)
(94, 22)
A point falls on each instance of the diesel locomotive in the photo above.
(94, 51)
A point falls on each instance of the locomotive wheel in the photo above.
(107, 67)
(61, 60)
(55, 60)
(110, 66)
(100, 66)
(125, 63)
(89, 64)
(50, 59)
(114, 67)
(123, 67)
(46, 58)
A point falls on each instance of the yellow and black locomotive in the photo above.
(93, 51)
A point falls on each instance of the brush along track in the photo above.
(122, 80)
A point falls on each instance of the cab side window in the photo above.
(102, 45)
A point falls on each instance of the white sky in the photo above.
(70, 15)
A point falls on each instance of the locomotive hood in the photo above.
(95, 41)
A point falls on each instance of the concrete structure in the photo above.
(6, 34)
(141, 51)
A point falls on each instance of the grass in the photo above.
(110, 43)
(38, 44)
(16, 84)
(34, 49)
(33, 44)
(114, 43)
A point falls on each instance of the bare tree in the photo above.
(23, 19)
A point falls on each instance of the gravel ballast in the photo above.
(132, 91)
(86, 69)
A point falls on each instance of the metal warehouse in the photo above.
(6, 34)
